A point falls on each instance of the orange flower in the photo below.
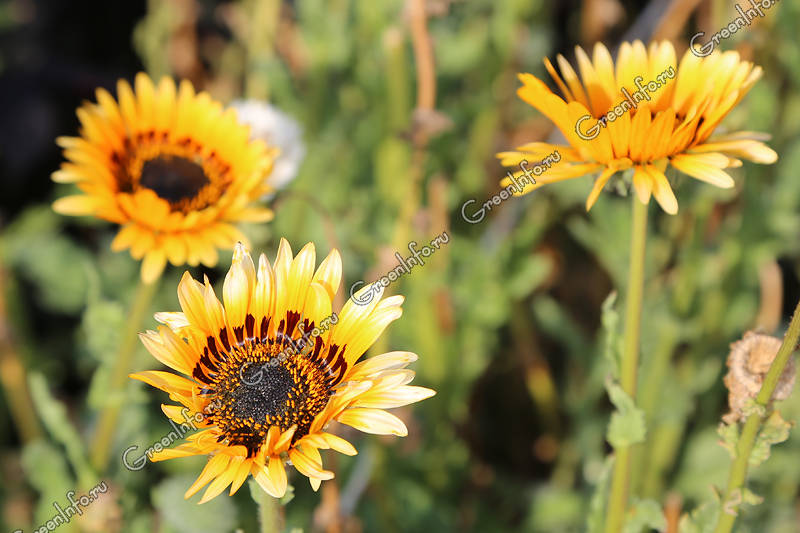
(169, 165)
(634, 115)
(269, 368)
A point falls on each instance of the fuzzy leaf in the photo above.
(185, 516)
(645, 514)
(102, 322)
(774, 431)
(35, 246)
(729, 434)
(610, 321)
(48, 473)
(595, 521)
(627, 424)
(738, 497)
(56, 420)
(701, 520)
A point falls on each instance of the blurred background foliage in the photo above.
(507, 318)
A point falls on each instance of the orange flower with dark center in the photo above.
(169, 165)
(270, 367)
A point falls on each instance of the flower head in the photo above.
(169, 165)
(271, 365)
(645, 113)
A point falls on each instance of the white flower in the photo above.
(278, 129)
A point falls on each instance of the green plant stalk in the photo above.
(654, 375)
(13, 374)
(269, 513)
(747, 439)
(618, 497)
(104, 434)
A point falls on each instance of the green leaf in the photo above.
(35, 246)
(751, 407)
(751, 498)
(185, 516)
(529, 275)
(257, 493)
(645, 514)
(45, 467)
(730, 437)
(595, 521)
(627, 424)
(56, 420)
(701, 520)
(774, 431)
(738, 497)
(47, 471)
(102, 322)
(289, 496)
(554, 508)
(610, 321)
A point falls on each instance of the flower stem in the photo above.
(747, 439)
(618, 497)
(13, 375)
(269, 513)
(102, 441)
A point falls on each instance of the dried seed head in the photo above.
(748, 364)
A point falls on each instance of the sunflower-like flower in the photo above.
(271, 366)
(644, 113)
(169, 165)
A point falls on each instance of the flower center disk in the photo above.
(180, 171)
(173, 178)
(260, 384)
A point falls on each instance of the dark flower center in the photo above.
(173, 178)
(256, 385)
(263, 392)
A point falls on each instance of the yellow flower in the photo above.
(654, 114)
(169, 165)
(269, 368)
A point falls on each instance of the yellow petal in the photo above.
(215, 466)
(698, 167)
(306, 464)
(153, 265)
(77, 205)
(662, 191)
(599, 183)
(373, 421)
(329, 273)
(642, 184)
(238, 286)
(379, 363)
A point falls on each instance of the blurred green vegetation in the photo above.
(508, 318)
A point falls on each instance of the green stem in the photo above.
(644, 466)
(102, 441)
(269, 513)
(747, 439)
(618, 498)
(13, 375)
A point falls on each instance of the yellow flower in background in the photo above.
(643, 113)
(269, 367)
(169, 165)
